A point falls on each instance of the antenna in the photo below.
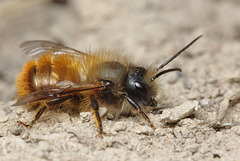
(173, 57)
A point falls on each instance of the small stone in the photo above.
(193, 148)
(102, 111)
(146, 130)
(85, 116)
(120, 126)
(204, 102)
(175, 114)
(25, 136)
(3, 119)
(17, 131)
(20, 111)
(222, 110)
(160, 132)
(113, 132)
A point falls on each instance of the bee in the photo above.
(65, 79)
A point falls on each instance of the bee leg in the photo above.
(137, 107)
(37, 116)
(98, 120)
(44, 108)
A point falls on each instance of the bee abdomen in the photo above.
(36, 75)
(26, 80)
(43, 71)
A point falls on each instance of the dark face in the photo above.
(137, 88)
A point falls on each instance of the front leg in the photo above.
(137, 107)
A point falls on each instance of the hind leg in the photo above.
(46, 106)
(37, 116)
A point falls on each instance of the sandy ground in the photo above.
(149, 31)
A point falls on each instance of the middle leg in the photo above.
(95, 106)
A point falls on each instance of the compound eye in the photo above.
(139, 85)
(142, 92)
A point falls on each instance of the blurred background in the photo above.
(150, 30)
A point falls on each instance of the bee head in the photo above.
(138, 88)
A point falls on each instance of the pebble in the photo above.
(85, 116)
(120, 126)
(193, 148)
(20, 111)
(204, 103)
(146, 130)
(4, 119)
(173, 115)
(102, 111)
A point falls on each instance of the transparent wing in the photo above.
(38, 47)
(61, 90)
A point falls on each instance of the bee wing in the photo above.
(62, 89)
(36, 96)
(38, 47)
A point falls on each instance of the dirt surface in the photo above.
(149, 31)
